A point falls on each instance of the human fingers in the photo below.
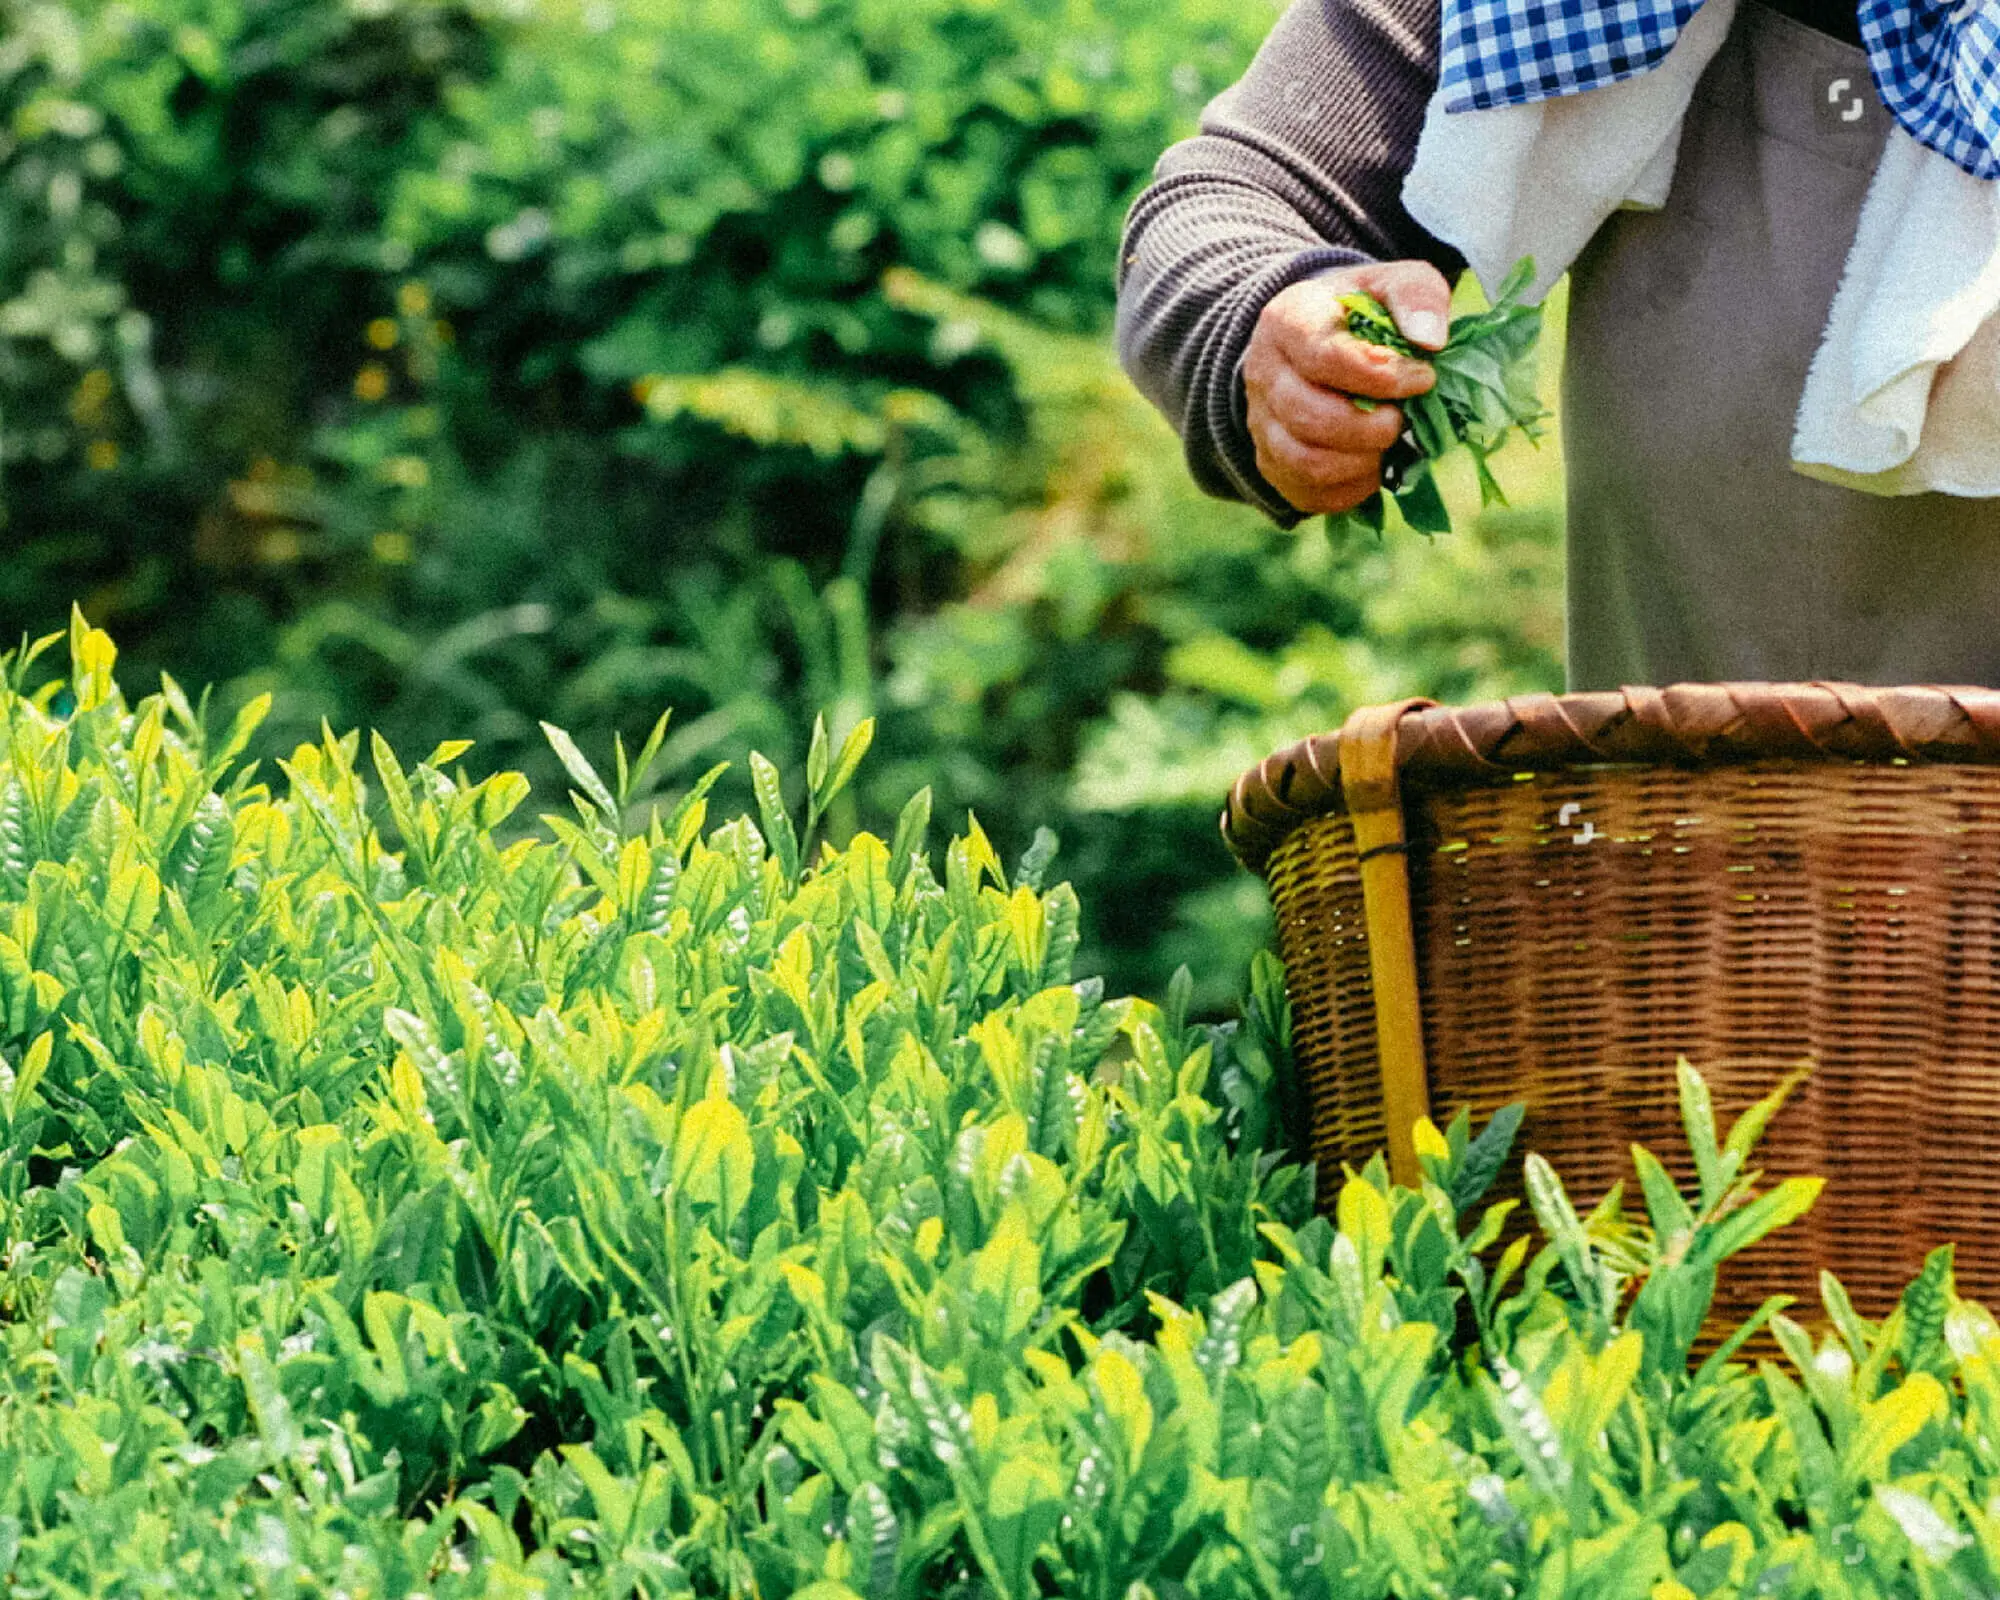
(1308, 332)
(1417, 297)
(1329, 419)
(1310, 478)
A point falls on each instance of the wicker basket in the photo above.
(1554, 897)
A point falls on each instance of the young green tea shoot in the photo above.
(1485, 390)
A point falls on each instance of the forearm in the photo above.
(1297, 169)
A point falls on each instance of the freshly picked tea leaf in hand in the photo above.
(1485, 390)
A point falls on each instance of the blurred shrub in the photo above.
(461, 364)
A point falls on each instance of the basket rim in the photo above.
(1685, 724)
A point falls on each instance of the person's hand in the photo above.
(1314, 445)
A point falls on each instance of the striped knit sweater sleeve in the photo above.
(1297, 169)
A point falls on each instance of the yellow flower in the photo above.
(383, 333)
(371, 383)
(413, 299)
(101, 454)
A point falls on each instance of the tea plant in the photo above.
(398, 1200)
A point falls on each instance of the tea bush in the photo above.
(374, 1213)
(637, 1206)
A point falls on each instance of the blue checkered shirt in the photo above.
(1936, 65)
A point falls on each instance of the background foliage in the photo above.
(450, 365)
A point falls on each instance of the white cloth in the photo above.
(1903, 395)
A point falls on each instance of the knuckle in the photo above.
(1271, 462)
(1412, 273)
(1312, 296)
(1289, 315)
(1303, 409)
(1305, 465)
(1286, 453)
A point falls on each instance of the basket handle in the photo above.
(1375, 807)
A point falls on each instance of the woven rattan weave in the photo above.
(1747, 875)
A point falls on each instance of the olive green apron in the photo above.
(1695, 552)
